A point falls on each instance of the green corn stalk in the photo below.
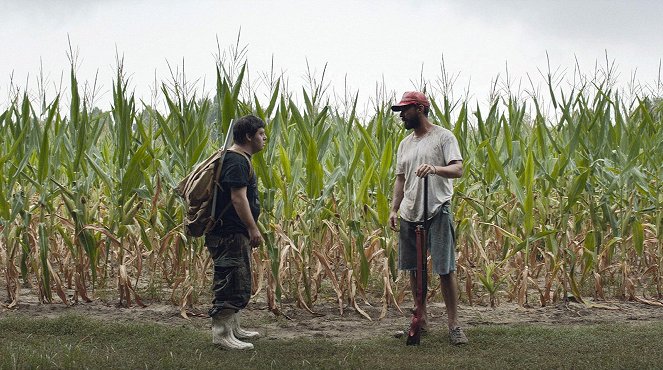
(542, 183)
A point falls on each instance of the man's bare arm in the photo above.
(453, 170)
(241, 204)
(399, 185)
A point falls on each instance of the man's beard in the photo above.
(412, 123)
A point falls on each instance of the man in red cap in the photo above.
(428, 150)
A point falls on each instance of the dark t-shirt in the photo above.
(236, 173)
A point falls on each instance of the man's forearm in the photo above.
(398, 193)
(396, 202)
(453, 170)
(241, 205)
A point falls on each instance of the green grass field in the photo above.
(76, 342)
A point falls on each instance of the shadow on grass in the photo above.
(81, 342)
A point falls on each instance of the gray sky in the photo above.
(362, 42)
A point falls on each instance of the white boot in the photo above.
(241, 333)
(222, 331)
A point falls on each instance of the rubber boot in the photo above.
(222, 331)
(241, 333)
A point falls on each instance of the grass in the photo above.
(81, 342)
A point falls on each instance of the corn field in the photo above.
(561, 196)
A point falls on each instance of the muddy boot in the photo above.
(241, 333)
(222, 331)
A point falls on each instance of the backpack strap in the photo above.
(217, 186)
(248, 159)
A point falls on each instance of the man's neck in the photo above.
(242, 148)
(423, 128)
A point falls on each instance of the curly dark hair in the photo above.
(247, 125)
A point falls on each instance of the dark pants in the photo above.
(232, 270)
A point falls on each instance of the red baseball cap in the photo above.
(409, 98)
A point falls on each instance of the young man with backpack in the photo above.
(230, 240)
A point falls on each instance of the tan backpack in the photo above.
(198, 190)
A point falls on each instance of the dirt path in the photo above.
(327, 323)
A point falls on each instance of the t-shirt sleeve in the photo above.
(236, 172)
(452, 150)
(400, 166)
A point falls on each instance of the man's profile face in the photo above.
(410, 117)
(258, 140)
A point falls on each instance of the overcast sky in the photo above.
(362, 42)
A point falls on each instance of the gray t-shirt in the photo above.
(438, 147)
